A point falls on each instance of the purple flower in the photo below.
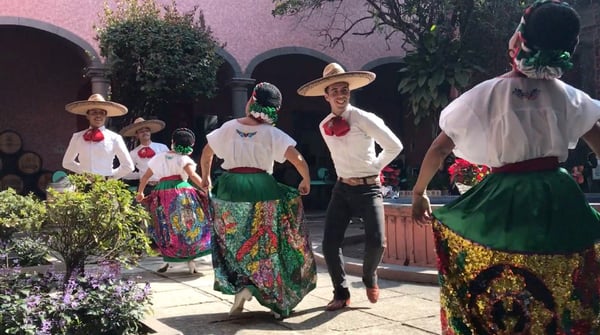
(46, 327)
(33, 301)
(67, 298)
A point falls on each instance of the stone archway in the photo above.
(42, 72)
(87, 51)
(299, 116)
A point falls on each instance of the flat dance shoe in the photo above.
(373, 294)
(238, 302)
(192, 266)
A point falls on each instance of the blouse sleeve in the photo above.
(154, 165)
(217, 141)
(187, 160)
(466, 129)
(281, 142)
(582, 113)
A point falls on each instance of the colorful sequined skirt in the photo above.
(519, 254)
(260, 243)
(181, 220)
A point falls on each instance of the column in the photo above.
(239, 94)
(97, 72)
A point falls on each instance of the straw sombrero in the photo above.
(334, 73)
(154, 125)
(96, 101)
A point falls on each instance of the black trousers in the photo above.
(366, 202)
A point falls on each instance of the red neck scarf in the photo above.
(146, 152)
(93, 135)
(336, 126)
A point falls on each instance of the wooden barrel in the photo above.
(29, 163)
(13, 181)
(10, 142)
(43, 179)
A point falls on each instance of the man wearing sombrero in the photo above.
(143, 130)
(93, 150)
(350, 134)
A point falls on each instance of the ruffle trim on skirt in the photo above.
(535, 212)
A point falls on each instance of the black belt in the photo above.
(356, 181)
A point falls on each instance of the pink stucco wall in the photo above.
(43, 69)
(247, 27)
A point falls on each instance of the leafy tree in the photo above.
(157, 57)
(446, 41)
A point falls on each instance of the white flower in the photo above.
(540, 72)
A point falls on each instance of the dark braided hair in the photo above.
(549, 32)
(551, 25)
(266, 101)
(183, 141)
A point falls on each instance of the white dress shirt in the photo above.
(97, 157)
(353, 154)
(507, 120)
(141, 164)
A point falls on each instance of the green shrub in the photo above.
(100, 219)
(24, 251)
(23, 213)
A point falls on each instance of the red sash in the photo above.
(536, 164)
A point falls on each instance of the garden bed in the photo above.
(155, 327)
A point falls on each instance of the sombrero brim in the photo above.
(355, 79)
(111, 108)
(154, 125)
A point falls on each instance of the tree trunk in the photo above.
(75, 267)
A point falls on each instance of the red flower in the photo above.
(577, 173)
(467, 173)
(389, 176)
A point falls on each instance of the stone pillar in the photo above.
(101, 85)
(239, 94)
(100, 82)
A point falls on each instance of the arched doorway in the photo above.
(299, 117)
(41, 72)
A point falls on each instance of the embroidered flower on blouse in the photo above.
(531, 95)
(244, 134)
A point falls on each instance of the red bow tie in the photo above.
(94, 135)
(146, 152)
(336, 126)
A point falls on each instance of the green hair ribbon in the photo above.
(183, 149)
(266, 113)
